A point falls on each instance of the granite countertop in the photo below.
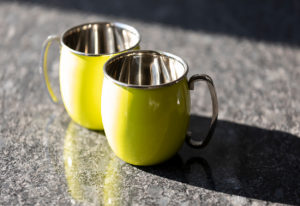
(254, 156)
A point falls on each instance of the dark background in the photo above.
(262, 20)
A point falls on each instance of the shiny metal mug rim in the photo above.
(117, 24)
(156, 53)
(195, 143)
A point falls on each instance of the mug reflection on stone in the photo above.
(91, 169)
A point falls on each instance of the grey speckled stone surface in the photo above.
(250, 49)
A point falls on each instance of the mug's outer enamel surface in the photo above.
(81, 80)
(145, 126)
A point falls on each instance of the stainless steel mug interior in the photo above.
(100, 38)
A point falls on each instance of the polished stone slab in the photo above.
(254, 156)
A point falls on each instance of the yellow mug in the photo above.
(84, 51)
(146, 106)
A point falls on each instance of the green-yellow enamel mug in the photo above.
(146, 106)
(84, 51)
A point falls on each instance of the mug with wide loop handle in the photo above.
(84, 49)
(146, 106)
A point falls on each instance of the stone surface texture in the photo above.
(253, 57)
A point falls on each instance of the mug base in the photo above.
(89, 127)
(146, 163)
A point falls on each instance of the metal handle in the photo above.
(43, 66)
(203, 77)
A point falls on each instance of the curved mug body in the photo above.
(145, 127)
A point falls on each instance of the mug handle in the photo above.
(43, 66)
(203, 77)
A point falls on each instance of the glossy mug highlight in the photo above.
(146, 106)
(84, 51)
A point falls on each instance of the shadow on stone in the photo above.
(240, 160)
(268, 20)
